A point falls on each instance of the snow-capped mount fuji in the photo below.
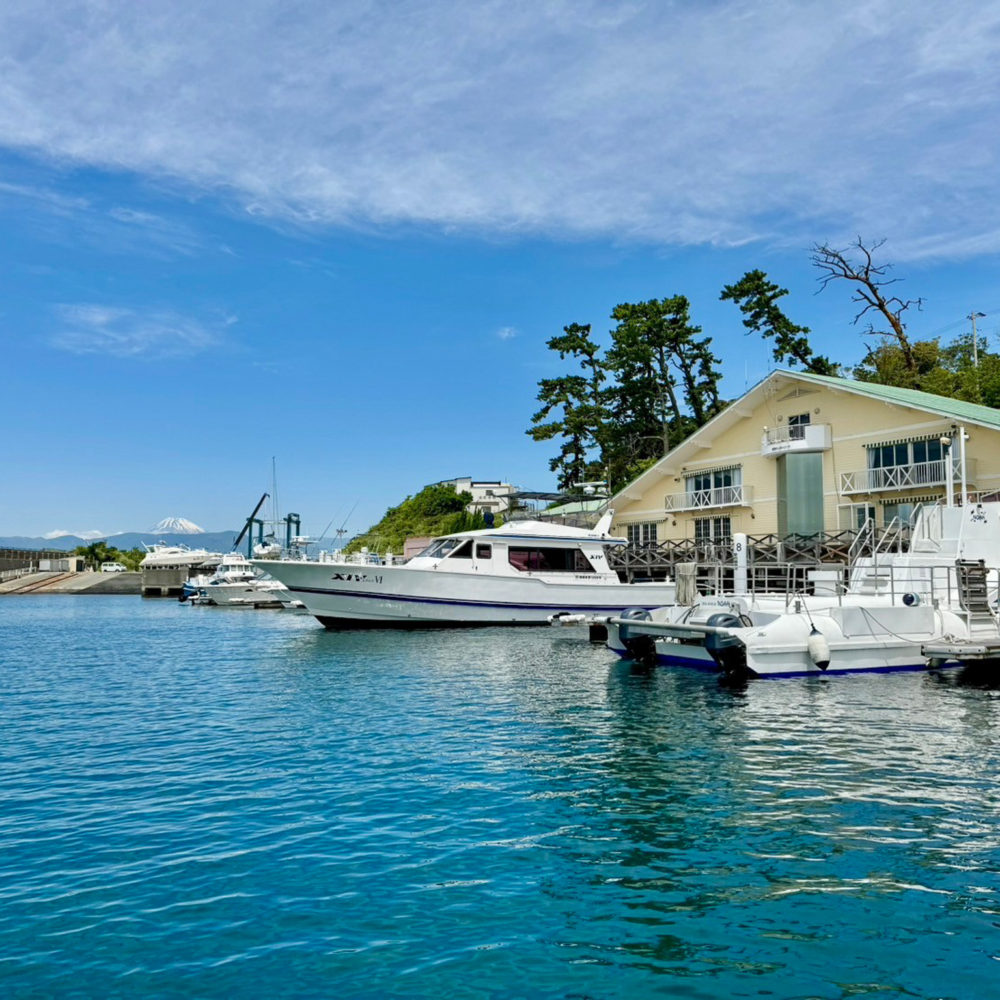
(178, 526)
(185, 533)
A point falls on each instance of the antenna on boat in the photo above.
(342, 530)
(325, 530)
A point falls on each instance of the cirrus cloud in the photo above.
(128, 333)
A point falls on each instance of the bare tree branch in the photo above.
(856, 264)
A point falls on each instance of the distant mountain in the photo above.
(214, 541)
(178, 526)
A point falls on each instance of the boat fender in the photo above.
(818, 648)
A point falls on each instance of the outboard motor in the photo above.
(641, 648)
(728, 651)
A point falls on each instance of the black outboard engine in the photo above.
(728, 651)
(641, 648)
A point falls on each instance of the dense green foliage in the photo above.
(758, 301)
(100, 552)
(436, 510)
(945, 370)
(620, 412)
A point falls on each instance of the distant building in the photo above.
(488, 497)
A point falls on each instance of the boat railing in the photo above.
(937, 585)
(864, 542)
(779, 578)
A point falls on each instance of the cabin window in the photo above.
(484, 551)
(641, 534)
(543, 559)
(464, 551)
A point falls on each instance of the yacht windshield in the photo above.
(439, 548)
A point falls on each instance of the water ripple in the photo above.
(219, 805)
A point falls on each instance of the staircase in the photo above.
(974, 597)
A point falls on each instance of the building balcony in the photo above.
(796, 438)
(720, 496)
(906, 477)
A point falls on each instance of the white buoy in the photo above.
(819, 648)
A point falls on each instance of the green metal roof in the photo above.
(954, 409)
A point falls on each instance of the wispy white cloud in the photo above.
(506, 333)
(127, 333)
(59, 533)
(677, 122)
(116, 228)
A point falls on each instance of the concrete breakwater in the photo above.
(56, 582)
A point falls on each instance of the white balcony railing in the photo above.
(904, 477)
(720, 496)
(794, 438)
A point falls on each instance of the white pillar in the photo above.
(740, 555)
(961, 461)
(946, 446)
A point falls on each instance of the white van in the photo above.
(112, 567)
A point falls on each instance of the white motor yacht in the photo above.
(236, 583)
(521, 573)
(163, 556)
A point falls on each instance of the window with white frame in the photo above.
(797, 424)
(884, 456)
(713, 529)
(714, 487)
(641, 534)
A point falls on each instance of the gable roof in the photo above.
(954, 409)
(941, 406)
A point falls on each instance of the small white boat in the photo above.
(521, 573)
(932, 606)
(237, 584)
(163, 556)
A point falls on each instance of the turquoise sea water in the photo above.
(197, 802)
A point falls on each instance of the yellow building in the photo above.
(801, 454)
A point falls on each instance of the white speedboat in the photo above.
(915, 609)
(236, 583)
(519, 574)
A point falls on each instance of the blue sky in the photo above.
(339, 235)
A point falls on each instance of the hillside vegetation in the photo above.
(435, 510)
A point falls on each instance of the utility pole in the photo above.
(975, 339)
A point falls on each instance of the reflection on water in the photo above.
(203, 803)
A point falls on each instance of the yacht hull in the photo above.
(344, 596)
(860, 639)
(244, 595)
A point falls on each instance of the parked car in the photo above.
(112, 567)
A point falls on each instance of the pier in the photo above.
(769, 557)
